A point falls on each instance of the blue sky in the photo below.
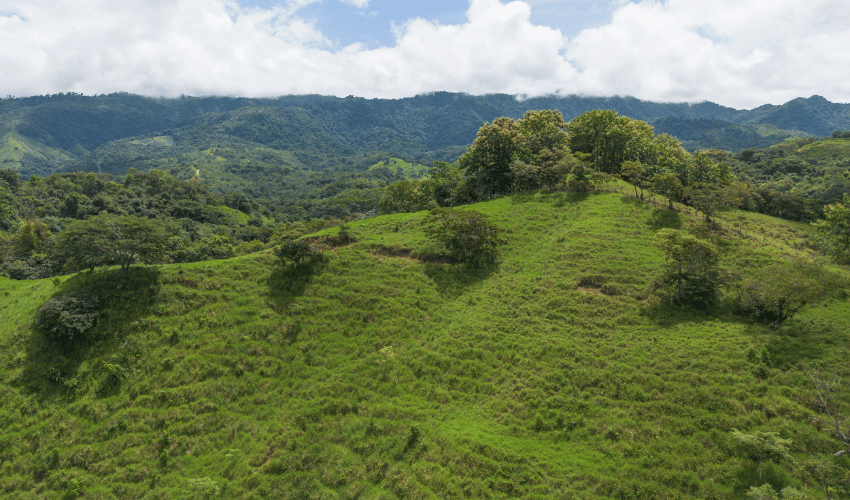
(740, 53)
(372, 24)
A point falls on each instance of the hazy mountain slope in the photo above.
(426, 127)
(378, 375)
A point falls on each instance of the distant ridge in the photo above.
(69, 129)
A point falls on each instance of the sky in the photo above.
(739, 53)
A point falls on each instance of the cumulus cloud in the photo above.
(737, 53)
(741, 53)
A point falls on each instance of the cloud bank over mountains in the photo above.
(740, 54)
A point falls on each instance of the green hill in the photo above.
(797, 177)
(382, 373)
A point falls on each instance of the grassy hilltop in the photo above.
(381, 373)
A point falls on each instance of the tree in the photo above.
(693, 272)
(763, 447)
(467, 236)
(834, 230)
(610, 139)
(708, 197)
(65, 316)
(487, 163)
(779, 291)
(406, 196)
(635, 173)
(295, 251)
(108, 239)
(669, 186)
(829, 397)
(538, 140)
(444, 180)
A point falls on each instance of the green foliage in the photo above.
(766, 492)
(406, 196)
(68, 315)
(763, 447)
(692, 275)
(795, 179)
(778, 292)
(467, 236)
(834, 231)
(295, 251)
(669, 186)
(534, 147)
(108, 239)
(386, 373)
(610, 139)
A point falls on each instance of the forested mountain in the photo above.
(74, 132)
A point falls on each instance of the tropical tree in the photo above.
(466, 235)
(780, 291)
(407, 196)
(610, 139)
(693, 272)
(763, 447)
(535, 145)
(487, 163)
(834, 230)
(635, 173)
(669, 186)
(108, 239)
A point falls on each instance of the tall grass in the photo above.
(380, 373)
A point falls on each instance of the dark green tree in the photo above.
(295, 251)
(466, 235)
(780, 291)
(669, 186)
(69, 315)
(693, 273)
(834, 231)
(109, 239)
(487, 163)
(610, 139)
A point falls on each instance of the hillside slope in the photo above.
(379, 374)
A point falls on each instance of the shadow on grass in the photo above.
(633, 200)
(52, 365)
(453, 280)
(287, 283)
(661, 218)
(556, 198)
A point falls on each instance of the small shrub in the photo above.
(297, 251)
(468, 237)
(69, 315)
(780, 291)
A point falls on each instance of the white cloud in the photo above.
(357, 3)
(728, 51)
(737, 53)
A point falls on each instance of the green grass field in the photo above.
(378, 374)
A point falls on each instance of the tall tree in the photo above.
(610, 139)
(834, 230)
(109, 239)
(487, 163)
(693, 271)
